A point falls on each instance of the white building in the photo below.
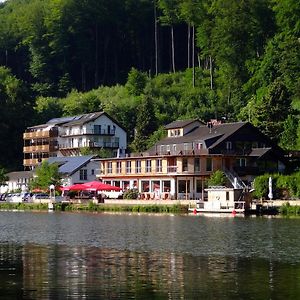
(69, 136)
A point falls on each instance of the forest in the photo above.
(148, 63)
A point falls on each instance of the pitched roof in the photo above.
(180, 123)
(212, 136)
(19, 174)
(85, 118)
(70, 164)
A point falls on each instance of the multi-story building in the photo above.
(178, 165)
(68, 136)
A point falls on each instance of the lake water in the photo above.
(63, 255)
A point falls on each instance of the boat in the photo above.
(222, 200)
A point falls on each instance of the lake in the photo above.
(62, 255)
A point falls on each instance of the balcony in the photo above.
(104, 132)
(40, 134)
(172, 169)
(32, 161)
(40, 148)
(90, 145)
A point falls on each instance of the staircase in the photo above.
(235, 180)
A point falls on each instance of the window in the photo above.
(158, 165)
(119, 167)
(209, 165)
(83, 174)
(197, 164)
(109, 167)
(199, 146)
(137, 166)
(241, 162)
(185, 146)
(92, 172)
(228, 145)
(184, 164)
(148, 166)
(128, 167)
(183, 186)
(174, 148)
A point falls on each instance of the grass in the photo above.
(175, 208)
(289, 210)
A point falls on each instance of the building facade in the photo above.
(69, 136)
(178, 166)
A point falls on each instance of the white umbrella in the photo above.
(270, 195)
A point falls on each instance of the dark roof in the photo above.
(181, 123)
(217, 133)
(19, 174)
(85, 118)
(70, 164)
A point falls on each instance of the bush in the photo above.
(131, 194)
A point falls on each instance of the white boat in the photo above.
(221, 200)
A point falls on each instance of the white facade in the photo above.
(99, 133)
(84, 174)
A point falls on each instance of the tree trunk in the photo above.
(96, 57)
(173, 49)
(189, 46)
(83, 82)
(156, 39)
(211, 72)
(193, 55)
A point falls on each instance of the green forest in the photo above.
(147, 63)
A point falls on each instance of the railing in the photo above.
(33, 161)
(40, 148)
(90, 145)
(183, 152)
(40, 134)
(172, 169)
(87, 132)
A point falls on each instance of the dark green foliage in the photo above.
(218, 178)
(70, 57)
(131, 194)
(283, 186)
(3, 176)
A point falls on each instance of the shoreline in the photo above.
(278, 207)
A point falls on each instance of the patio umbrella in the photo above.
(100, 186)
(270, 195)
(76, 187)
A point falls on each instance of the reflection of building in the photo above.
(177, 166)
(68, 136)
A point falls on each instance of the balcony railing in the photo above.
(40, 148)
(172, 169)
(90, 145)
(33, 161)
(88, 132)
(40, 134)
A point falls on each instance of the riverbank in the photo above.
(101, 207)
(288, 208)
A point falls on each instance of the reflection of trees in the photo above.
(59, 271)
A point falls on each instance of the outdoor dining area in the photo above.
(82, 192)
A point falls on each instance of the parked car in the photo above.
(40, 196)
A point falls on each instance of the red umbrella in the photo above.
(76, 187)
(100, 186)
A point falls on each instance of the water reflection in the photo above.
(99, 256)
(60, 272)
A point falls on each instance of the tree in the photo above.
(136, 82)
(3, 176)
(15, 115)
(46, 174)
(145, 124)
(218, 178)
(288, 138)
